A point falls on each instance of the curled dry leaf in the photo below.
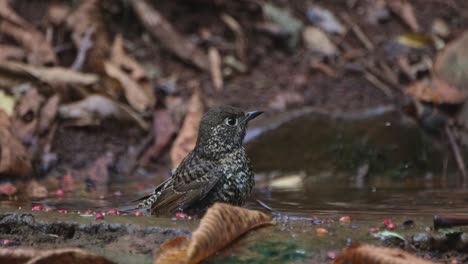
(377, 255)
(132, 68)
(436, 91)
(185, 141)
(165, 33)
(121, 59)
(220, 226)
(134, 93)
(39, 51)
(100, 107)
(55, 256)
(14, 160)
(50, 75)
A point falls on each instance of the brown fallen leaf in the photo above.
(404, 9)
(39, 51)
(87, 17)
(48, 113)
(185, 141)
(51, 75)
(14, 160)
(367, 254)
(100, 107)
(165, 33)
(164, 129)
(124, 61)
(26, 117)
(136, 96)
(54, 256)
(221, 225)
(435, 91)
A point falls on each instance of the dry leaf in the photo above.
(50, 75)
(55, 256)
(366, 254)
(85, 19)
(165, 33)
(48, 113)
(164, 128)
(435, 91)
(14, 160)
(221, 225)
(121, 59)
(100, 107)
(39, 50)
(404, 9)
(7, 103)
(185, 141)
(26, 118)
(134, 93)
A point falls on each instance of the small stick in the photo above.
(457, 154)
(379, 84)
(267, 207)
(85, 44)
(358, 32)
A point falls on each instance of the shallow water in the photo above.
(311, 163)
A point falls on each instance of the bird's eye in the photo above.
(231, 121)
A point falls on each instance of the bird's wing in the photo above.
(189, 185)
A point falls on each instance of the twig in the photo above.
(267, 207)
(215, 68)
(86, 43)
(358, 32)
(457, 154)
(379, 84)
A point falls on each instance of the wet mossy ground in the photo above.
(130, 239)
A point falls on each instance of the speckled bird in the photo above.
(216, 170)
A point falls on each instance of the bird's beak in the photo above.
(251, 115)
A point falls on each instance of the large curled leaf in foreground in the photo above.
(221, 225)
(360, 254)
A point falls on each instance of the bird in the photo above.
(216, 170)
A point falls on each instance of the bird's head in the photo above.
(222, 129)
